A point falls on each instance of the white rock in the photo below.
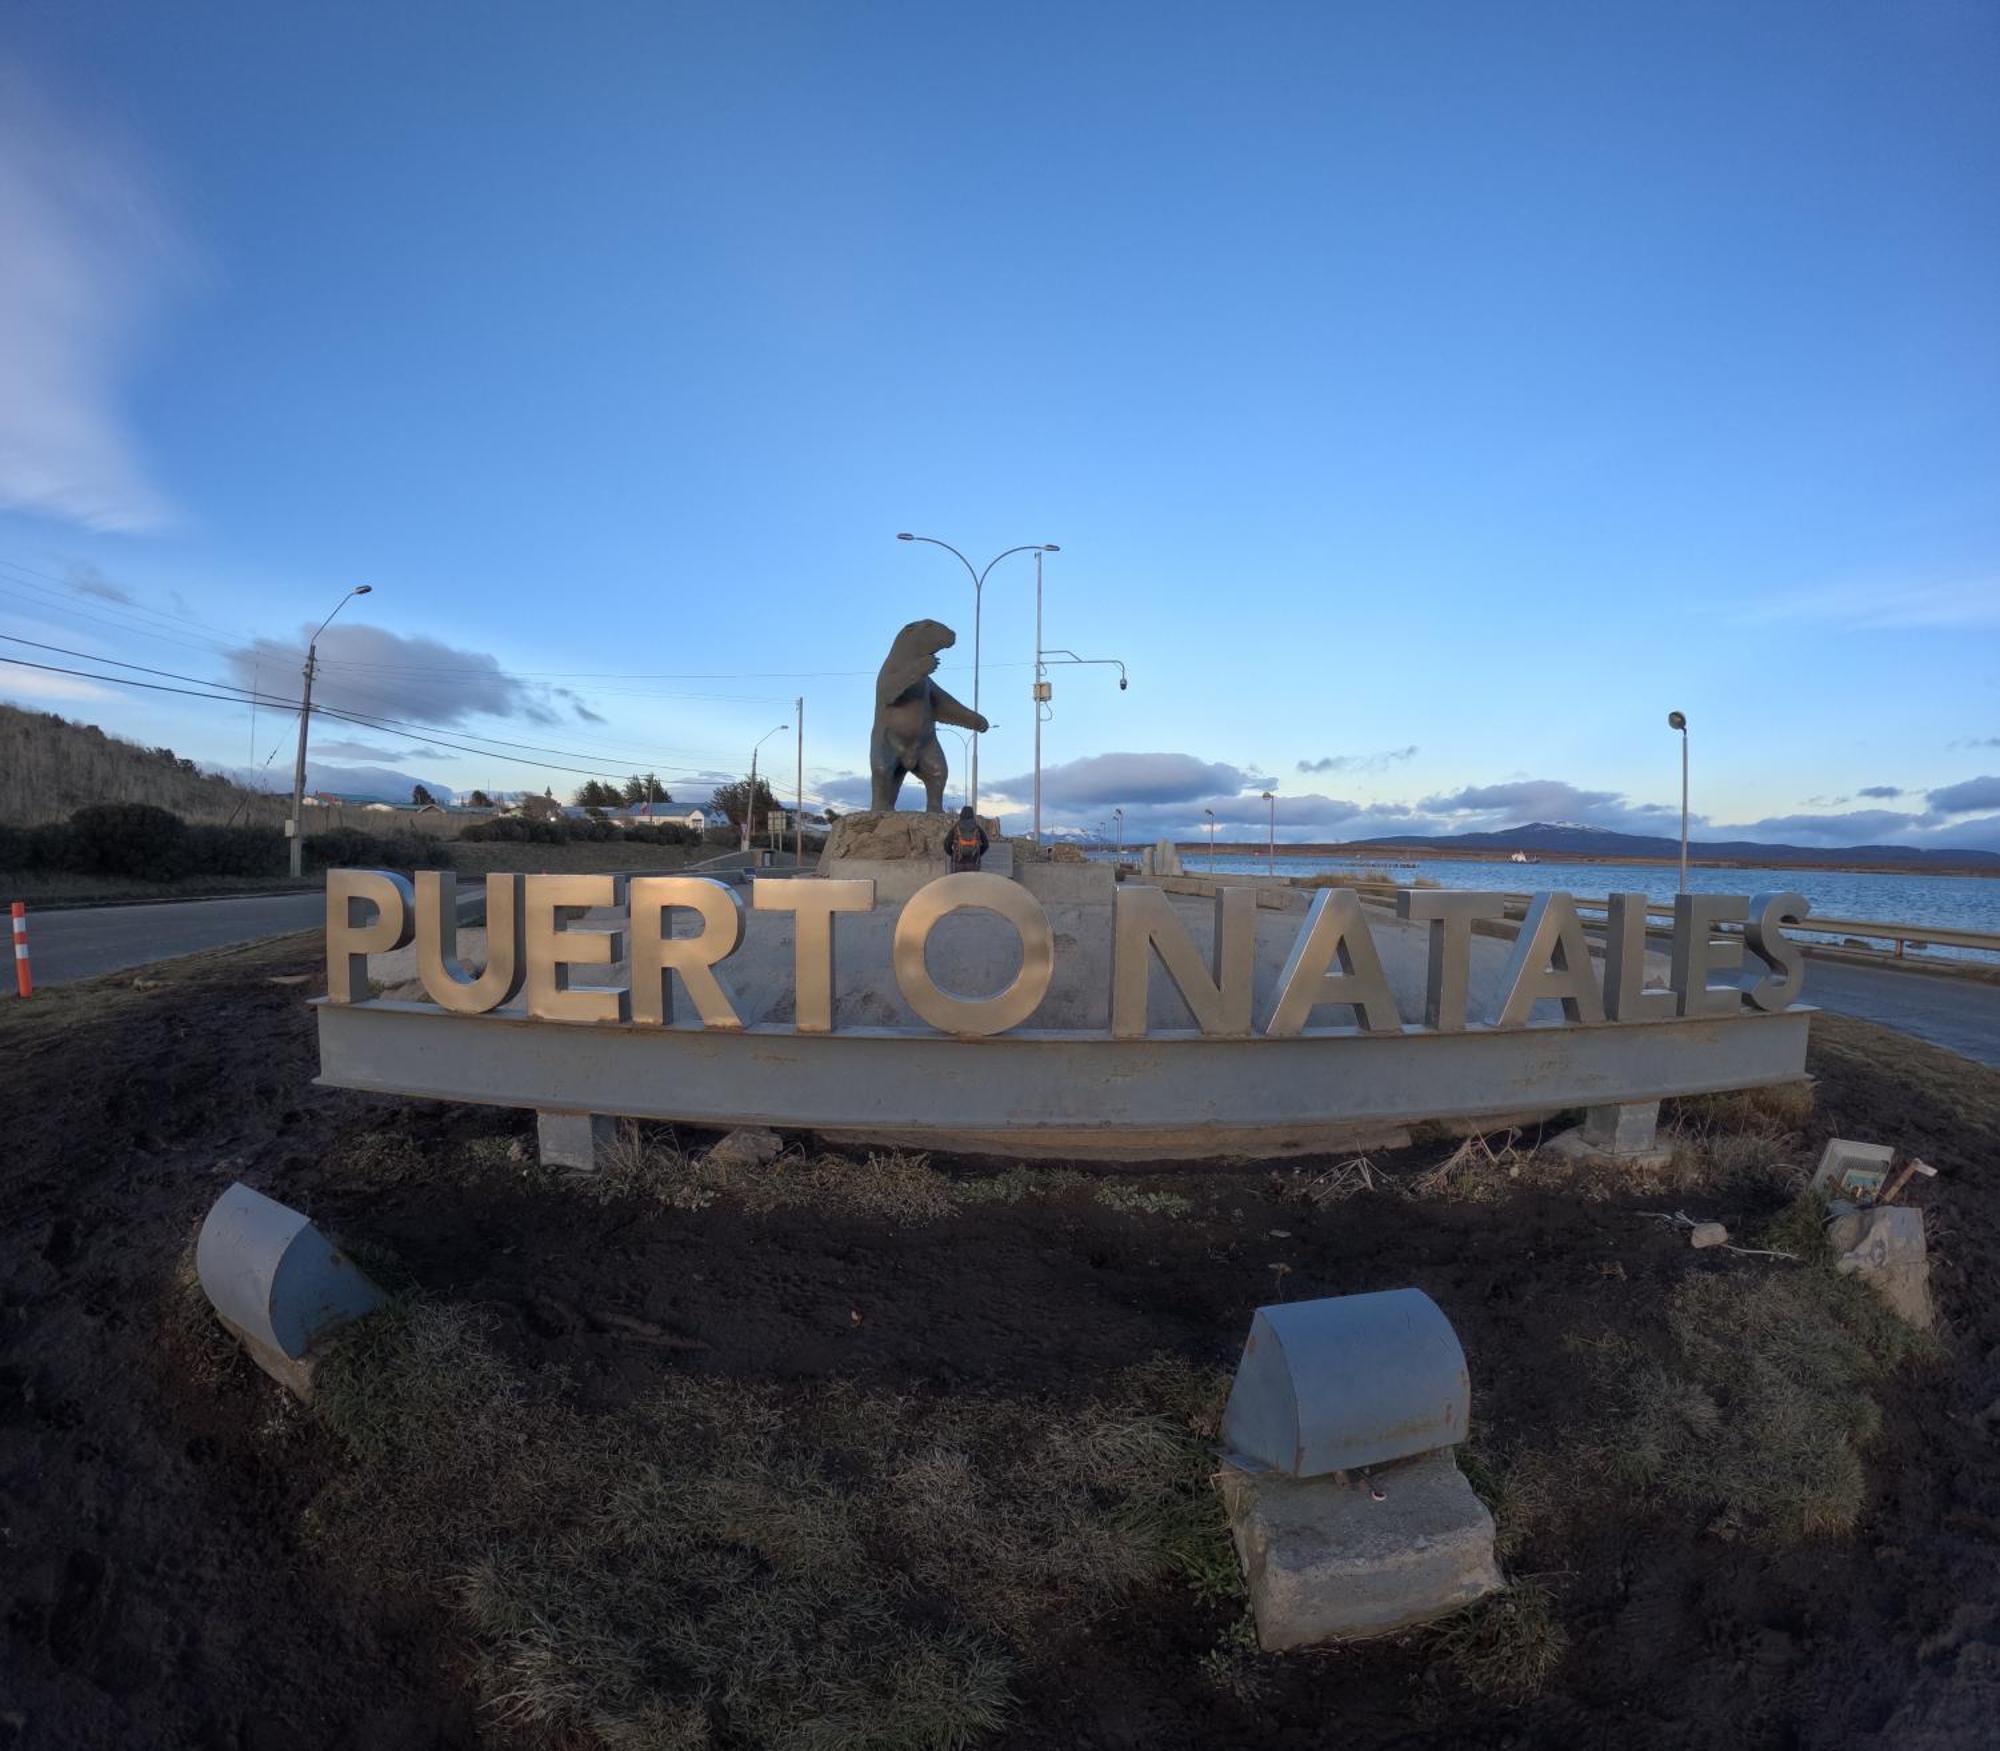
(1885, 1247)
(1708, 1234)
(748, 1147)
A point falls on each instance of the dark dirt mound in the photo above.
(157, 1589)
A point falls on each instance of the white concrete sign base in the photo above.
(1324, 1560)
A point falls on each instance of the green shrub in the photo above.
(351, 848)
(127, 839)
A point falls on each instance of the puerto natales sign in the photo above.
(612, 995)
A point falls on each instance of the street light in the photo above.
(978, 597)
(750, 802)
(1272, 852)
(1210, 813)
(1677, 720)
(305, 717)
(1045, 690)
(1118, 815)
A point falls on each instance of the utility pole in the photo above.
(297, 859)
(799, 813)
(1042, 691)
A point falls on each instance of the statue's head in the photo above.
(922, 638)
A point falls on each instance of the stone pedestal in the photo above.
(1616, 1136)
(1325, 1561)
(574, 1141)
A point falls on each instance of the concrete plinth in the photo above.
(1325, 1561)
(574, 1141)
(1627, 1136)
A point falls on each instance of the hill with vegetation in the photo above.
(51, 767)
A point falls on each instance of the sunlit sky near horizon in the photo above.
(1425, 398)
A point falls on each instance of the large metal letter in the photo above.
(448, 984)
(1334, 930)
(1698, 951)
(974, 1015)
(1625, 995)
(551, 947)
(657, 955)
(349, 942)
(1777, 950)
(1551, 958)
(1449, 914)
(1219, 996)
(812, 903)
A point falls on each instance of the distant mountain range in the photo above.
(1563, 839)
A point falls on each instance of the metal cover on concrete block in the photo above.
(1347, 1381)
(272, 1276)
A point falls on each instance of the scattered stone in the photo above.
(277, 1283)
(288, 978)
(1708, 1234)
(1884, 1246)
(748, 1147)
(147, 984)
(1335, 1558)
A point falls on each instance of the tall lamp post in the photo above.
(978, 598)
(1210, 813)
(305, 719)
(1118, 815)
(1271, 851)
(1045, 691)
(1677, 720)
(750, 801)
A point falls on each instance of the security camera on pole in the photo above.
(1677, 720)
(297, 825)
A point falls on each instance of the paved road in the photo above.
(1962, 1015)
(107, 939)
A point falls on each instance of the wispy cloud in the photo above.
(90, 259)
(1359, 762)
(87, 580)
(33, 684)
(1881, 792)
(1887, 607)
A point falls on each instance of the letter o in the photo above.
(946, 1011)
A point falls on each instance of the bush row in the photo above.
(516, 828)
(139, 841)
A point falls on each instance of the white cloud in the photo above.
(1970, 797)
(373, 672)
(1378, 762)
(89, 259)
(1104, 780)
(33, 684)
(1891, 607)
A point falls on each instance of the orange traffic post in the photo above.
(24, 979)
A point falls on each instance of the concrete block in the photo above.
(1067, 884)
(575, 1142)
(277, 1283)
(1323, 1560)
(1852, 1170)
(1884, 1246)
(1627, 1134)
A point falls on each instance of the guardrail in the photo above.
(1903, 936)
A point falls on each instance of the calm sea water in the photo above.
(1949, 902)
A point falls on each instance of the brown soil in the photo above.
(157, 1590)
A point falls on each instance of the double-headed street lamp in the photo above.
(1677, 720)
(978, 596)
(305, 719)
(750, 802)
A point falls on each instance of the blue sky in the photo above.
(1425, 398)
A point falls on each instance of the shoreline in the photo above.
(1391, 855)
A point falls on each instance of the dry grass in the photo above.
(1507, 1646)
(50, 767)
(731, 1564)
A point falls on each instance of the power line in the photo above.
(295, 705)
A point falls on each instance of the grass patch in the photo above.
(1140, 1200)
(1757, 1407)
(1507, 1646)
(729, 1564)
(649, 1163)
